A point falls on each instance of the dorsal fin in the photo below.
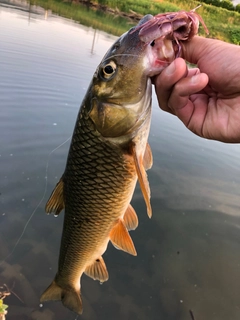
(143, 180)
(97, 270)
(121, 239)
(55, 203)
(130, 218)
(148, 158)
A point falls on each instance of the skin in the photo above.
(206, 99)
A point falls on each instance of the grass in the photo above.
(222, 24)
(93, 18)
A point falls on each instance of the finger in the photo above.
(167, 79)
(182, 103)
(189, 85)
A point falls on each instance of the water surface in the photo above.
(188, 253)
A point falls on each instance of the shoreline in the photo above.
(132, 15)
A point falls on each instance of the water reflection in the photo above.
(93, 43)
(188, 253)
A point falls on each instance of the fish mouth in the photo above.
(159, 54)
(163, 35)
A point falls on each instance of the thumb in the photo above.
(199, 50)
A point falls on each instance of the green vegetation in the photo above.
(88, 17)
(235, 35)
(3, 310)
(141, 6)
(227, 4)
(222, 23)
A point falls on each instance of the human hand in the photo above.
(206, 100)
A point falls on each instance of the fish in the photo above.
(109, 153)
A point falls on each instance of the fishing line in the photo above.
(40, 202)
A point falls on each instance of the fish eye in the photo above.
(108, 70)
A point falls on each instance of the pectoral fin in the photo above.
(148, 158)
(143, 180)
(121, 239)
(130, 218)
(55, 203)
(97, 270)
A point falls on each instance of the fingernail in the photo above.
(171, 68)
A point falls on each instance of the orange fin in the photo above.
(70, 297)
(148, 158)
(97, 270)
(130, 218)
(143, 180)
(56, 201)
(121, 239)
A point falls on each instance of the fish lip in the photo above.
(160, 50)
(161, 43)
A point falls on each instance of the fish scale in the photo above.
(97, 199)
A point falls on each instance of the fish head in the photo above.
(121, 90)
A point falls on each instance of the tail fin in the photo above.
(69, 296)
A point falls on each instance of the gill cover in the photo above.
(121, 92)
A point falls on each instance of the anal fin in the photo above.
(55, 203)
(143, 180)
(130, 218)
(121, 239)
(97, 270)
